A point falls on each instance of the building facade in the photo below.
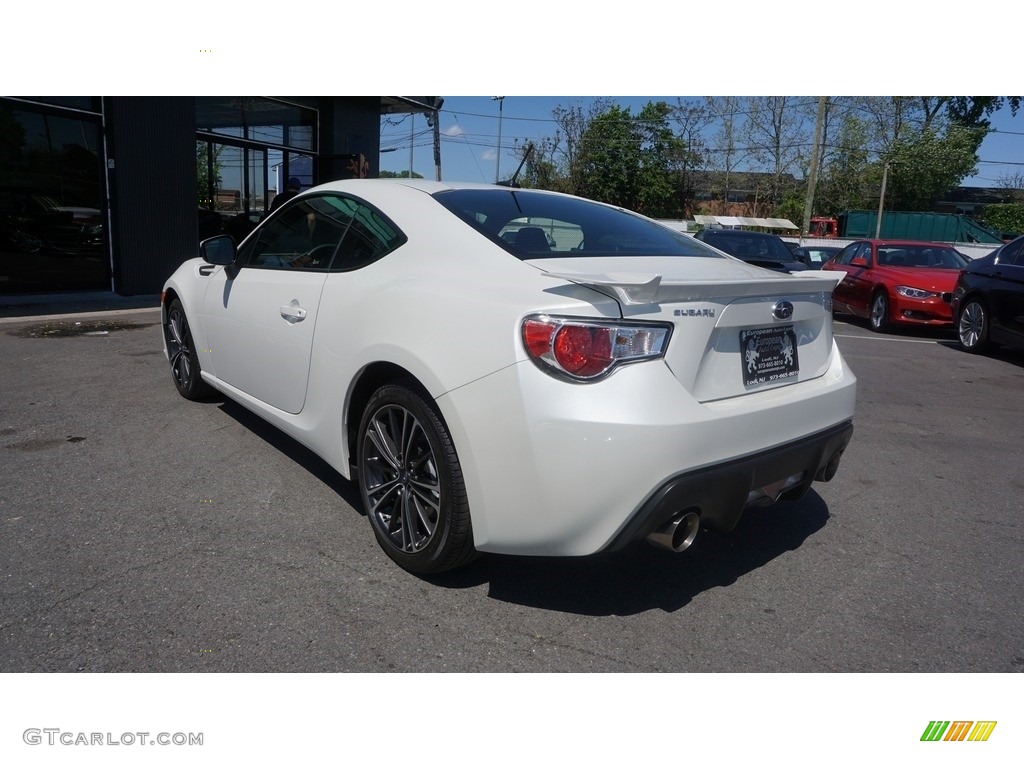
(112, 193)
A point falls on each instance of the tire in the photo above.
(972, 326)
(181, 352)
(878, 315)
(411, 482)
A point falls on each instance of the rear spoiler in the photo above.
(638, 288)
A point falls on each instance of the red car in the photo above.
(892, 282)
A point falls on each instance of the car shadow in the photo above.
(900, 331)
(293, 449)
(1004, 354)
(633, 580)
(640, 577)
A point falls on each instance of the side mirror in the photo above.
(859, 261)
(218, 250)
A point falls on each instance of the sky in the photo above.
(470, 126)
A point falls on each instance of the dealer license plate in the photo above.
(768, 354)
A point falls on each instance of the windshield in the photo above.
(536, 225)
(931, 256)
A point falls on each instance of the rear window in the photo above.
(931, 256)
(536, 225)
(749, 246)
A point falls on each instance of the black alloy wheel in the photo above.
(181, 353)
(411, 482)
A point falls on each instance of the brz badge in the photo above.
(783, 310)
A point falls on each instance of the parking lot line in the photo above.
(884, 338)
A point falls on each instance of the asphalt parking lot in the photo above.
(143, 533)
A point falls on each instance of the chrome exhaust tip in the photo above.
(677, 534)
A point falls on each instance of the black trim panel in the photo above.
(719, 493)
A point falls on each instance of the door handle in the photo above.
(292, 312)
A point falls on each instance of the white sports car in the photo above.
(516, 371)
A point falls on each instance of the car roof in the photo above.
(424, 185)
(925, 243)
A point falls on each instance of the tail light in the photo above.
(588, 350)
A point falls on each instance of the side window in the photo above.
(304, 235)
(776, 248)
(369, 237)
(846, 255)
(1013, 253)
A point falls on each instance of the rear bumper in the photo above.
(720, 493)
(559, 469)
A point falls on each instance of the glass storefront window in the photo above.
(247, 148)
(84, 103)
(256, 119)
(52, 211)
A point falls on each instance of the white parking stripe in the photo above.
(884, 338)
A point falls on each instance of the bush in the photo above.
(1005, 217)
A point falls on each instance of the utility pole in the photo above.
(497, 164)
(412, 124)
(434, 121)
(812, 182)
(437, 149)
(881, 200)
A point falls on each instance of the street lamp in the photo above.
(497, 164)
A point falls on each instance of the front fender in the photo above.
(189, 286)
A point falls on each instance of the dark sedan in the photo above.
(988, 300)
(758, 248)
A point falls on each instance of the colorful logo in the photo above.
(958, 730)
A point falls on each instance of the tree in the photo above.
(630, 160)
(841, 184)
(540, 171)
(691, 119)
(399, 174)
(1012, 184)
(208, 172)
(924, 166)
(778, 139)
(974, 111)
(573, 122)
(930, 144)
(726, 151)
(607, 163)
(1005, 217)
(889, 119)
(661, 152)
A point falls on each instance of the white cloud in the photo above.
(489, 154)
(455, 131)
